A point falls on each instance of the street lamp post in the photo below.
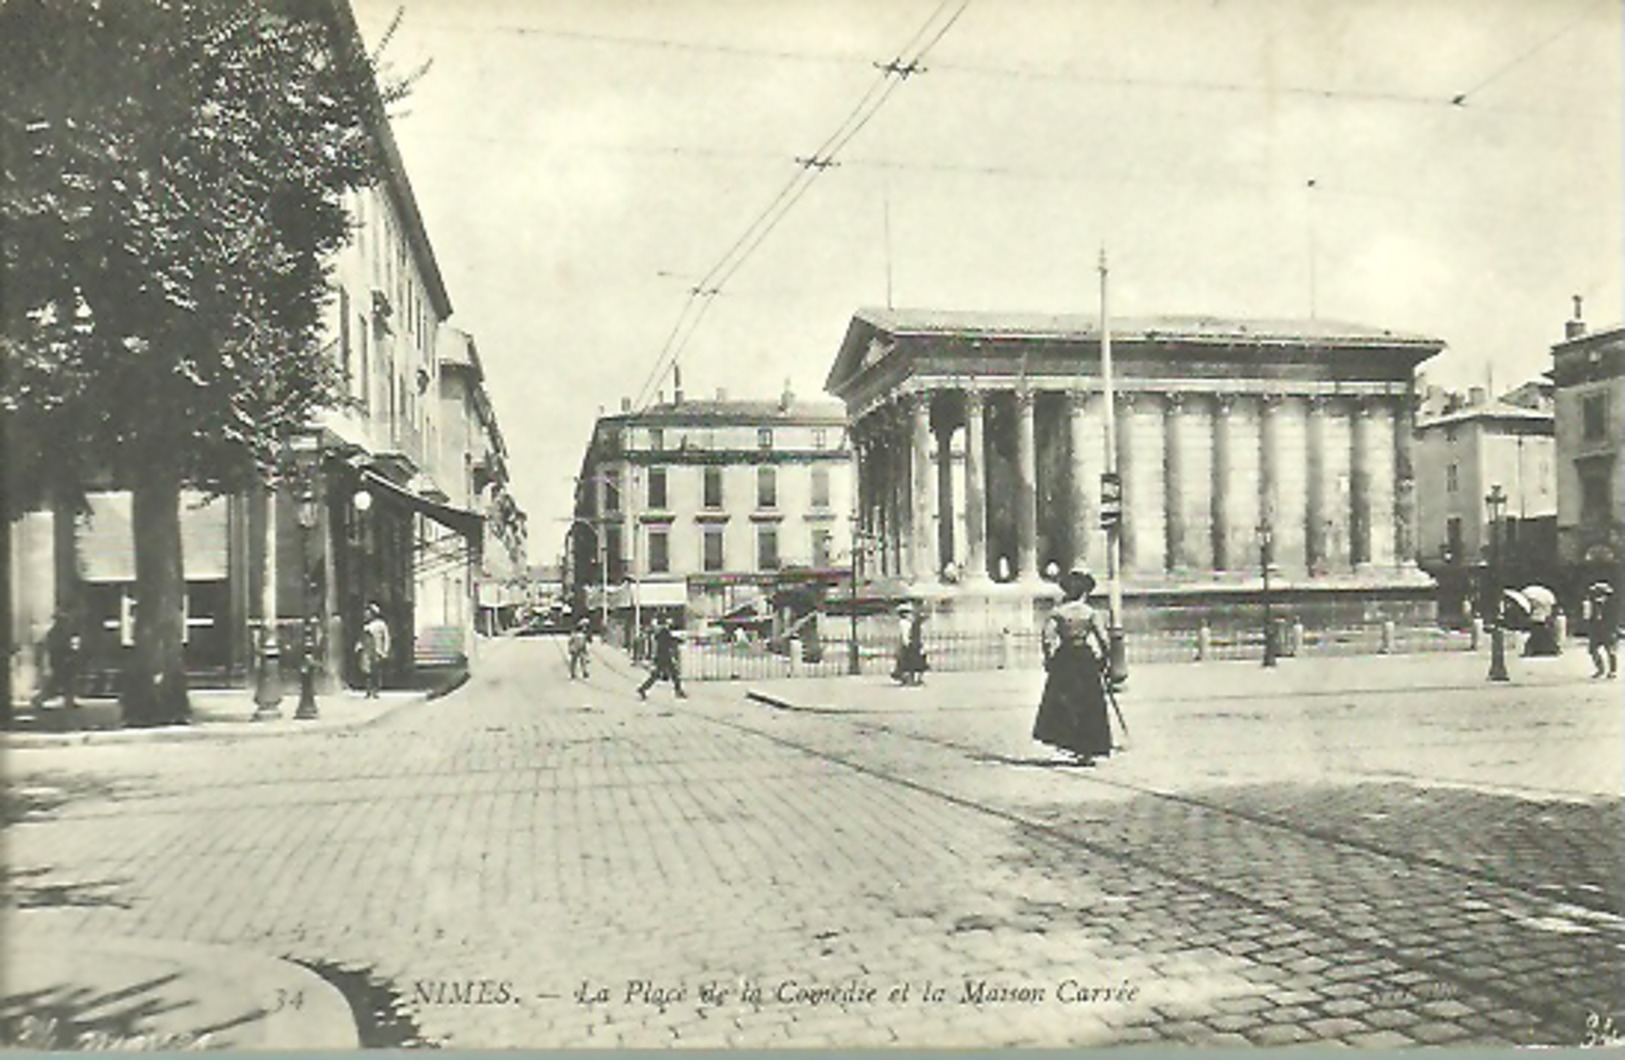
(1266, 540)
(1496, 502)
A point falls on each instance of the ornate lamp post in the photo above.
(309, 641)
(1266, 542)
(1496, 501)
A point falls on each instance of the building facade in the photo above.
(357, 514)
(1464, 454)
(700, 508)
(1588, 375)
(1473, 454)
(1228, 434)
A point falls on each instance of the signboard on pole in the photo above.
(1111, 500)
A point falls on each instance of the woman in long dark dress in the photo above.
(1072, 713)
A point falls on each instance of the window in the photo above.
(659, 550)
(617, 561)
(820, 438)
(767, 548)
(713, 488)
(712, 561)
(821, 539)
(767, 488)
(820, 487)
(612, 494)
(657, 439)
(1594, 416)
(657, 488)
(764, 439)
(1596, 495)
(1451, 478)
(1452, 540)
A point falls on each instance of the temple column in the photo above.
(945, 493)
(1026, 500)
(1127, 526)
(975, 489)
(1314, 528)
(1083, 474)
(922, 566)
(1360, 484)
(902, 527)
(1404, 483)
(1269, 462)
(1173, 485)
(1223, 407)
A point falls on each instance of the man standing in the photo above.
(1602, 631)
(666, 665)
(62, 645)
(373, 648)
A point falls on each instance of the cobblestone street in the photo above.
(531, 862)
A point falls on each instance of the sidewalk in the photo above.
(216, 714)
(72, 992)
(1178, 682)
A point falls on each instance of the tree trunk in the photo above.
(154, 683)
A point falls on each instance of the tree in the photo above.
(174, 181)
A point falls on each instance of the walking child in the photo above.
(580, 650)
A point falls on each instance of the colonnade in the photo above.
(1207, 476)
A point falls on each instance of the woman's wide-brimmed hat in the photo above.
(1078, 582)
(905, 608)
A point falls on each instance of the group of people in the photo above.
(665, 661)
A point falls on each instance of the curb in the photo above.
(241, 1001)
(183, 733)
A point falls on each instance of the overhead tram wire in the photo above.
(710, 285)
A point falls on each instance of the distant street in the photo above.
(534, 862)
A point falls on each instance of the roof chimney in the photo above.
(787, 397)
(722, 395)
(676, 384)
(626, 404)
(1576, 325)
(1476, 395)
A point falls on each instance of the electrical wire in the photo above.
(703, 294)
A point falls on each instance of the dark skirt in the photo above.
(1072, 714)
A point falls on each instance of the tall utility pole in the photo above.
(1114, 582)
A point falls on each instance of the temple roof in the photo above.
(869, 334)
(1194, 327)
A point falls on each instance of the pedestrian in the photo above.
(1072, 712)
(911, 660)
(62, 646)
(372, 648)
(1602, 628)
(580, 650)
(666, 664)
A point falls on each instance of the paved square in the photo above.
(1404, 856)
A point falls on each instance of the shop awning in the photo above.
(464, 522)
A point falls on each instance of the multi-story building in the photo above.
(701, 508)
(1588, 374)
(358, 511)
(1461, 456)
(1464, 454)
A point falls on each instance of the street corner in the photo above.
(67, 991)
(217, 715)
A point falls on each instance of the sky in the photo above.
(1448, 167)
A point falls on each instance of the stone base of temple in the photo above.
(1182, 602)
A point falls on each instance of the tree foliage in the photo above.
(174, 173)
